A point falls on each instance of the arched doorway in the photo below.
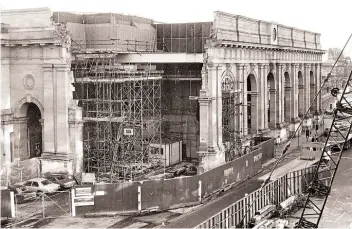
(300, 94)
(313, 90)
(271, 100)
(228, 115)
(287, 97)
(252, 96)
(29, 132)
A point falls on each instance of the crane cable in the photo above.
(289, 141)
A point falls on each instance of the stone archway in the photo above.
(287, 97)
(28, 129)
(301, 96)
(252, 104)
(228, 114)
(271, 100)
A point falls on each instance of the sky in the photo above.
(332, 19)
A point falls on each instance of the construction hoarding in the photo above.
(168, 193)
(109, 197)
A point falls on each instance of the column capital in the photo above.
(272, 91)
(306, 65)
(239, 66)
(261, 66)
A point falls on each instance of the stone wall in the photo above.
(238, 28)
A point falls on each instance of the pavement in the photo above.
(338, 209)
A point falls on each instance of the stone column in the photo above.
(273, 108)
(7, 136)
(255, 116)
(306, 78)
(261, 99)
(294, 92)
(288, 102)
(56, 156)
(204, 103)
(279, 95)
(318, 84)
(76, 138)
(42, 124)
(239, 79)
(218, 100)
(313, 90)
(266, 96)
(301, 99)
(215, 152)
(245, 113)
(56, 130)
(20, 139)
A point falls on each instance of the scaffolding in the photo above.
(231, 117)
(122, 116)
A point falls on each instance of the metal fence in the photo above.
(273, 193)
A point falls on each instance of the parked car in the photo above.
(61, 179)
(41, 185)
(22, 194)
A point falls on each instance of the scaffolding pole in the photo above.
(122, 116)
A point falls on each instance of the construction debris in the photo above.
(272, 216)
(262, 214)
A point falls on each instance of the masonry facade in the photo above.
(273, 70)
(256, 78)
(39, 118)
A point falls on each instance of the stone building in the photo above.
(38, 115)
(224, 82)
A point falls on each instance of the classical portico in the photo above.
(274, 74)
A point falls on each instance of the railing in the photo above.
(273, 193)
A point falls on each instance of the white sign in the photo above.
(88, 178)
(128, 131)
(83, 191)
(84, 201)
(99, 193)
(258, 157)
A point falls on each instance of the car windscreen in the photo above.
(46, 182)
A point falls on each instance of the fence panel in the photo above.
(111, 197)
(152, 193)
(6, 203)
(273, 193)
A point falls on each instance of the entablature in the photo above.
(234, 44)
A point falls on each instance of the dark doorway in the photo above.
(34, 128)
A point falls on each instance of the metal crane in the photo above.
(326, 169)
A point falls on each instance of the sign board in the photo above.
(88, 178)
(128, 131)
(84, 191)
(257, 157)
(84, 200)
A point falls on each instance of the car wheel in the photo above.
(39, 193)
(19, 199)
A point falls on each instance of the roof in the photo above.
(37, 179)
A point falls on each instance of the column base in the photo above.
(293, 127)
(263, 131)
(214, 157)
(56, 163)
